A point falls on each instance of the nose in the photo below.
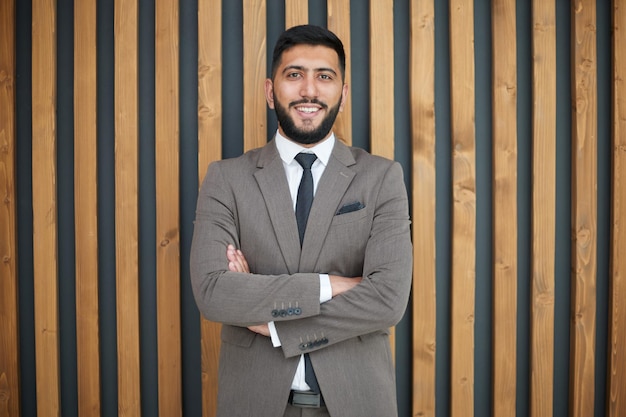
(309, 88)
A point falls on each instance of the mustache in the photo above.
(311, 101)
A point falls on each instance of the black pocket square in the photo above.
(350, 207)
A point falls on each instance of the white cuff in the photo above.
(326, 291)
(274, 334)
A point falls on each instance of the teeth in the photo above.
(307, 109)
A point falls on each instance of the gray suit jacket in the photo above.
(358, 226)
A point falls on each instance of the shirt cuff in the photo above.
(274, 334)
(326, 291)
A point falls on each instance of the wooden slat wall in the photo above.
(167, 143)
(45, 233)
(504, 93)
(424, 213)
(543, 207)
(86, 209)
(9, 344)
(584, 208)
(616, 397)
(126, 206)
(464, 206)
(427, 393)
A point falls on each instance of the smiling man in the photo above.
(302, 250)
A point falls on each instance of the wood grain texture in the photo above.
(254, 74)
(167, 176)
(505, 233)
(45, 234)
(584, 209)
(86, 209)
(296, 13)
(464, 206)
(126, 206)
(9, 342)
(543, 207)
(616, 374)
(209, 150)
(381, 78)
(422, 84)
(339, 23)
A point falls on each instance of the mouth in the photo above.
(308, 109)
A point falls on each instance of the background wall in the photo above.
(508, 118)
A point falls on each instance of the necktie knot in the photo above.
(306, 160)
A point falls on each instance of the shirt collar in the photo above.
(288, 149)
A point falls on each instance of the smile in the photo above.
(307, 110)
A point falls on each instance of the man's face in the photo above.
(307, 93)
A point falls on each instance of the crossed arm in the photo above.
(238, 263)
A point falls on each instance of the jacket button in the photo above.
(290, 311)
(274, 313)
(297, 311)
(302, 346)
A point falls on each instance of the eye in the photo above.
(293, 75)
(326, 77)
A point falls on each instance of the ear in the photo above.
(269, 93)
(344, 96)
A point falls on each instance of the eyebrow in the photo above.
(301, 68)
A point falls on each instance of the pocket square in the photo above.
(350, 207)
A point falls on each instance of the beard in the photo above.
(303, 135)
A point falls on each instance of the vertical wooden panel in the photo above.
(86, 209)
(296, 12)
(464, 206)
(616, 390)
(254, 74)
(422, 84)
(167, 143)
(126, 206)
(9, 344)
(504, 207)
(584, 209)
(209, 150)
(543, 207)
(339, 23)
(44, 173)
(381, 78)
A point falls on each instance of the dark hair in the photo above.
(308, 35)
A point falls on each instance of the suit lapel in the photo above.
(273, 184)
(330, 190)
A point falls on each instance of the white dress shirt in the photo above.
(288, 150)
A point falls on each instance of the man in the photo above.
(294, 293)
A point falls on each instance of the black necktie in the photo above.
(305, 192)
(303, 206)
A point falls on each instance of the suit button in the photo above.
(274, 313)
(290, 311)
(302, 346)
(297, 311)
(283, 313)
(324, 340)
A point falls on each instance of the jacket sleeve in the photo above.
(237, 298)
(380, 300)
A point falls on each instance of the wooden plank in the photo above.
(464, 207)
(9, 342)
(209, 150)
(339, 23)
(504, 92)
(86, 208)
(616, 375)
(254, 74)
(584, 209)
(296, 12)
(381, 78)
(422, 84)
(44, 171)
(126, 206)
(543, 207)
(167, 143)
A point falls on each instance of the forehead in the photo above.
(309, 57)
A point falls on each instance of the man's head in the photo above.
(307, 87)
